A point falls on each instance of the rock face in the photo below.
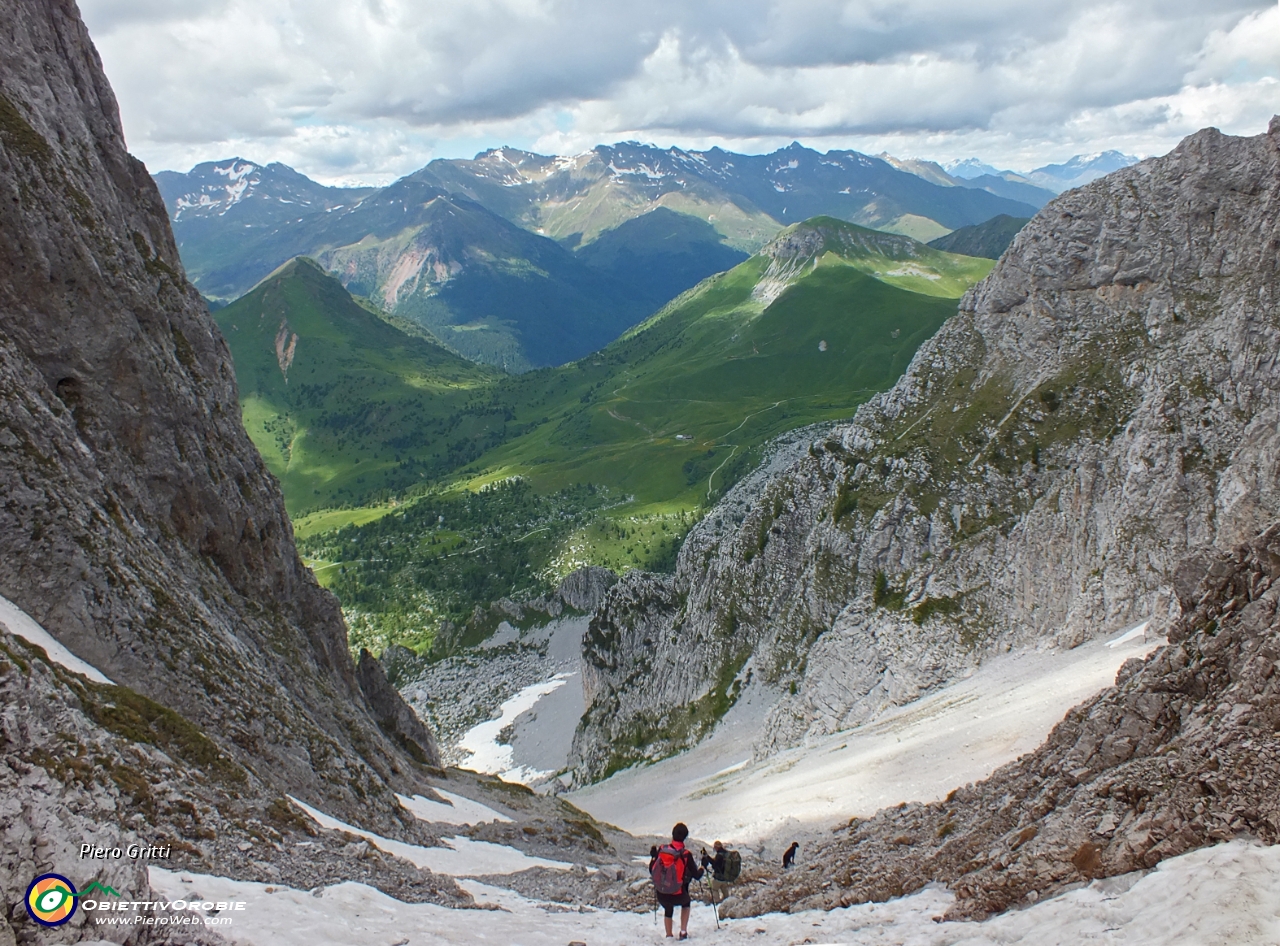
(137, 522)
(88, 763)
(1179, 754)
(1106, 400)
(584, 588)
(393, 714)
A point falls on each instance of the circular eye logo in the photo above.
(51, 899)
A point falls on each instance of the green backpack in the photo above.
(732, 866)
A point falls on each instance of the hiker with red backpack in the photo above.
(673, 869)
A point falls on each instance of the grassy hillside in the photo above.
(615, 453)
(989, 239)
(343, 405)
(671, 412)
(660, 254)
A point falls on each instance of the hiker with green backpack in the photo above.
(725, 867)
(672, 869)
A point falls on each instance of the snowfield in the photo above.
(460, 857)
(489, 755)
(1227, 894)
(459, 811)
(917, 752)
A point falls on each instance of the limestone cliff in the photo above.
(137, 521)
(1180, 753)
(1105, 400)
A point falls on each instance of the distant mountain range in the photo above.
(1000, 183)
(1036, 187)
(521, 260)
(747, 198)
(1080, 170)
(1052, 178)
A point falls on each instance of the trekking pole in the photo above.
(711, 900)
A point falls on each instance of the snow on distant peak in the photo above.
(238, 190)
(642, 171)
(969, 168)
(572, 162)
(1087, 166)
(236, 170)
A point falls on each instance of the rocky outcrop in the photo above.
(579, 592)
(584, 588)
(395, 716)
(138, 524)
(91, 763)
(1180, 753)
(1106, 400)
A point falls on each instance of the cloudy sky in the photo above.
(368, 90)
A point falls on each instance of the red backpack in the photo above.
(668, 870)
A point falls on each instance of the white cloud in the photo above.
(368, 89)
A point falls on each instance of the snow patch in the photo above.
(20, 624)
(459, 857)
(912, 271)
(459, 811)
(236, 171)
(642, 171)
(494, 758)
(1138, 631)
(917, 752)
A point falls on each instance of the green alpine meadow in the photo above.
(342, 403)
(424, 486)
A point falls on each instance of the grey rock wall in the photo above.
(1105, 400)
(1179, 754)
(137, 522)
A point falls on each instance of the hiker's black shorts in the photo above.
(669, 902)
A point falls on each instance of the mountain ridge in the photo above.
(988, 240)
(332, 393)
(745, 197)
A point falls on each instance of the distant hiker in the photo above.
(725, 866)
(719, 886)
(673, 870)
(789, 857)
